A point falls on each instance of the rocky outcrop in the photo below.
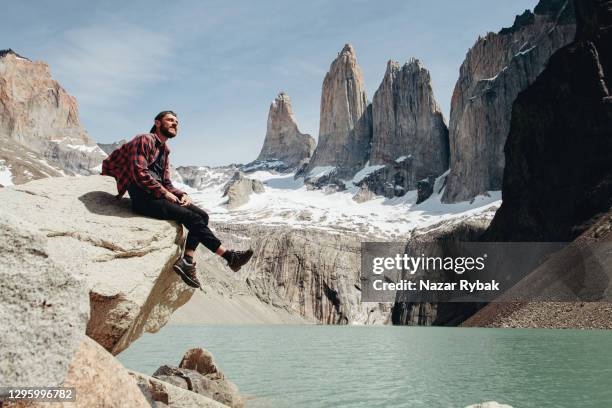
(44, 307)
(18, 164)
(345, 129)
(408, 129)
(558, 155)
(199, 373)
(284, 148)
(239, 188)
(164, 394)
(496, 69)
(204, 177)
(125, 259)
(36, 112)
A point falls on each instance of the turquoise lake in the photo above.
(374, 366)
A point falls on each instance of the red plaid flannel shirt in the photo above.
(129, 164)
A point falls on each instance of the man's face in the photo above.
(168, 125)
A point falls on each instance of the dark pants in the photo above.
(192, 217)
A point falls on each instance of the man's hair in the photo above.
(160, 116)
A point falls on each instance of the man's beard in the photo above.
(166, 132)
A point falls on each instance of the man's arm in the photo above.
(168, 183)
(142, 150)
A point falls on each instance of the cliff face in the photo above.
(559, 152)
(440, 241)
(410, 137)
(407, 121)
(37, 113)
(496, 69)
(558, 183)
(284, 142)
(312, 273)
(345, 129)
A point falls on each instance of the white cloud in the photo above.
(105, 64)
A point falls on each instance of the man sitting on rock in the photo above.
(141, 167)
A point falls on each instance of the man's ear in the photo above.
(157, 123)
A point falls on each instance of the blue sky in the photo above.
(219, 64)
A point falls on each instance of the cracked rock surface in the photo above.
(124, 259)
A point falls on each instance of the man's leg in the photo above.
(235, 259)
(196, 221)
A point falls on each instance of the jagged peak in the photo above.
(283, 97)
(392, 66)
(4, 53)
(347, 49)
(413, 63)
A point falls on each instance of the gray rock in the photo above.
(239, 188)
(165, 394)
(425, 189)
(407, 125)
(125, 259)
(204, 378)
(345, 130)
(201, 361)
(43, 307)
(284, 148)
(496, 69)
(364, 194)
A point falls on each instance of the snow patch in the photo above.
(6, 176)
(403, 158)
(366, 171)
(286, 200)
(86, 149)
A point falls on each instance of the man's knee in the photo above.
(197, 218)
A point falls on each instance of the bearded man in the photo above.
(141, 167)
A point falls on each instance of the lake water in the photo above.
(429, 367)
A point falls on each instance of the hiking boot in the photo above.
(235, 259)
(187, 272)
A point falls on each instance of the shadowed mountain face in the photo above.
(558, 183)
(558, 154)
(496, 69)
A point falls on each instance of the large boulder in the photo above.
(164, 394)
(44, 307)
(199, 373)
(239, 188)
(100, 381)
(126, 260)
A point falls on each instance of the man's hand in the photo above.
(185, 200)
(172, 198)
